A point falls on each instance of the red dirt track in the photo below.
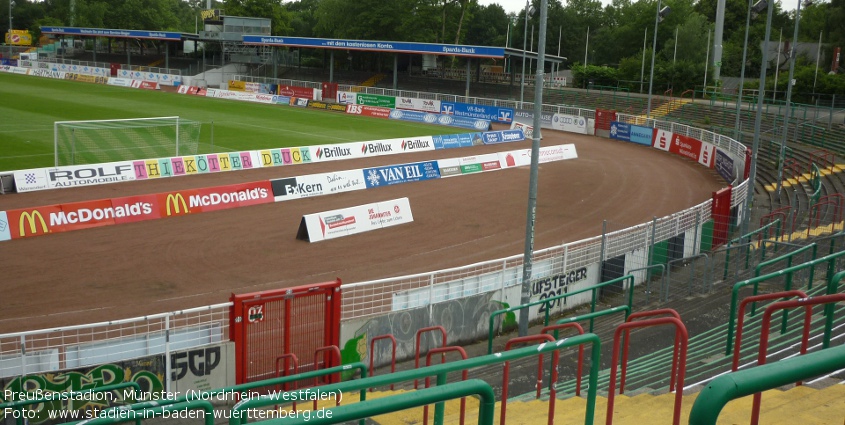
(150, 267)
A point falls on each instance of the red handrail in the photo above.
(552, 391)
(392, 357)
(417, 347)
(295, 361)
(682, 361)
(464, 376)
(626, 343)
(580, 330)
(741, 317)
(331, 379)
(837, 200)
(808, 304)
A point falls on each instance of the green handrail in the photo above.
(594, 315)
(486, 407)
(190, 396)
(125, 416)
(551, 300)
(713, 398)
(67, 395)
(830, 259)
(788, 286)
(445, 368)
(829, 309)
(749, 235)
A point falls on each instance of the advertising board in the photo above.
(402, 173)
(353, 220)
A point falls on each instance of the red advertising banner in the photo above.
(604, 118)
(135, 208)
(747, 164)
(721, 214)
(368, 111)
(702, 152)
(38, 221)
(29, 222)
(232, 196)
(83, 215)
(661, 139)
(294, 91)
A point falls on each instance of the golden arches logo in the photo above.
(175, 201)
(30, 217)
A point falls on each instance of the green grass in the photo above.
(30, 105)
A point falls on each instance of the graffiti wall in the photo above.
(203, 368)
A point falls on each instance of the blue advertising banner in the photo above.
(379, 46)
(449, 141)
(403, 173)
(429, 118)
(724, 165)
(493, 137)
(101, 32)
(641, 135)
(283, 100)
(620, 131)
(469, 110)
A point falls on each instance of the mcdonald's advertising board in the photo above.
(28, 222)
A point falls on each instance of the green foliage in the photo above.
(595, 75)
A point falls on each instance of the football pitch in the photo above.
(30, 105)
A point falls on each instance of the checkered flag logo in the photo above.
(30, 178)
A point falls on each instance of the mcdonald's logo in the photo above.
(30, 217)
(175, 201)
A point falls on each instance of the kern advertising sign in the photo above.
(317, 184)
(724, 165)
(414, 104)
(403, 173)
(358, 219)
(570, 123)
(484, 112)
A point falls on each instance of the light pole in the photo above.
(758, 118)
(531, 215)
(658, 16)
(752, 10)
(792, 56)
(528, 11)
(11, 3)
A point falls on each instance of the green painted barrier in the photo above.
(830, 259)
(828, 309)
(788, 284)
(550, 301)
(67, 396)
(126, 416)
(486, 407)
(238, 418)
(775, 223)
(721, 390)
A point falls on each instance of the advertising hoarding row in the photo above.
(453, 109)
(28, 222)
(114, 172)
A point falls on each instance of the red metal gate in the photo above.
(265, 325)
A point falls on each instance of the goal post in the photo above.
(97, 141)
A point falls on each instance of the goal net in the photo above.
(91, 142)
